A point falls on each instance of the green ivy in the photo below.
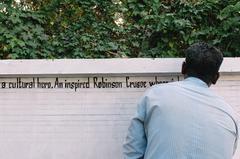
(88, 29)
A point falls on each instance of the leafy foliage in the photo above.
(22, 34)
(116, 28)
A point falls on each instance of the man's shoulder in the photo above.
(169, 85)
(224, 105)
(163, 88)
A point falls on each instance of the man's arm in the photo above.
(236, 144)
(136, 142)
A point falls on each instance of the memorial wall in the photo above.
(81, 109)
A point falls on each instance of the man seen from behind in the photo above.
(186, 119)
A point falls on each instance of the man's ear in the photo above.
(184, 68)
(215, 78)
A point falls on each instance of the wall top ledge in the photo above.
(132, 66)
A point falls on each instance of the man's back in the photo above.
(182, 120)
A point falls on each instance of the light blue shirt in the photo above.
(182, 120)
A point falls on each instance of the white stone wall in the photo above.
(66, 111)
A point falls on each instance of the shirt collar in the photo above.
(196, 81)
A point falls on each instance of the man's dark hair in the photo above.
(203, 61)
